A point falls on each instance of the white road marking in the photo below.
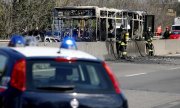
(174, 68)
(175, 103)
(137, 74)
(131, 75)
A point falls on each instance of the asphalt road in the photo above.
(149, 85)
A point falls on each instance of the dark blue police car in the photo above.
(41, 77)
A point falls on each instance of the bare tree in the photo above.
(15, 16)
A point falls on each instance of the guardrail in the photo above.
(157, 37)
(4, 40)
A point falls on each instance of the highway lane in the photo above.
(149, 85)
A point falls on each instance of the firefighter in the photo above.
(118, 38)
(122, 43)
(148, 38)
(166, 33)
(159, 31)
(148, 34)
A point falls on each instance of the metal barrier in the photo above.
(103, 50)
(4, 41)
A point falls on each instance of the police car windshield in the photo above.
(81, 75)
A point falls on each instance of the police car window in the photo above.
(42, 71)
(3, 62)
(74, 76)
(83, 75)
(94, 80)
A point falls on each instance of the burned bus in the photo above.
(92, 23)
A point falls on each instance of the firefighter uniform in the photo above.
(166, 33)
(148, 38)
(122, 43)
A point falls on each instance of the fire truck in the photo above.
(175, 29)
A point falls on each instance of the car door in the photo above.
(3, 72)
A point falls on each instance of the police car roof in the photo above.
(52, 52)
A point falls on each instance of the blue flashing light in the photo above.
(69, 43)
(16, 40)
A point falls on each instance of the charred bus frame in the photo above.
(91, 23)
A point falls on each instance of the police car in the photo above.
(42, 77)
